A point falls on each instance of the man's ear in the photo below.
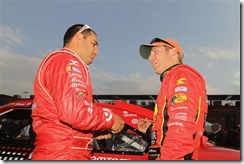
(79, 36)
(173, 52)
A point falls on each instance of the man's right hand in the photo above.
(118, 124)
(143, 125)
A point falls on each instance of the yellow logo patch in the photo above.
(68, 68)
(180, 81)
(80, 94)
(179, 98)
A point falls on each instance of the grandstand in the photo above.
(224, 109)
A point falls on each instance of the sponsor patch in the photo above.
(178, 108)
(68, 68)
(75, 85)
(181, 89)
(179, 98)
(180, 116)
(73, 62)
(153, 137)
(134, 121)
(126, 114)
(175, 124)
(107, 114)
(71, 68)
(76, 69)
(71, 74)
(107, 158)
(180, 81)
(76, 80)
(80, 94)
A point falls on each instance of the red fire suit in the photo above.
(64, 116)
(179, 115)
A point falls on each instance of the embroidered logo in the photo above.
(179, 98)
(180, 81)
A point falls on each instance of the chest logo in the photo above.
(180, 81)
(179, 98)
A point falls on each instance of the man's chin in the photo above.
(90, 62)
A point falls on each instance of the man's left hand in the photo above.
(99, 135)
(103, 136)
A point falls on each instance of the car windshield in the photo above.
(126, 141)
(15, 124)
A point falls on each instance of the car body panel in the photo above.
(129, 144)
(219, 153)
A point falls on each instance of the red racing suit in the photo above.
(179, 116)
(64, 116)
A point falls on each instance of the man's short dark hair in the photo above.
(71, 31)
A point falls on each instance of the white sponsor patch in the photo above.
(178, 108)
(134, 121)
(75, 85)
(107, 114)
(107, 158)
(129, 115)
(76, 80)
(175, 124)
(181, 89)
(180, 116)
(76, 69)
(73, 62)
(75, 74)
(90, 108)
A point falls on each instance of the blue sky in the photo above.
(208, 31)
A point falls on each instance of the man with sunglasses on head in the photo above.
(181, 105)
(64, 116)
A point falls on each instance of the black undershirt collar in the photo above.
(166, 71)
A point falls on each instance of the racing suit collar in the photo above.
(67, 49)
(166, 71)
(71, 51)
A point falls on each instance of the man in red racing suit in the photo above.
(64, 116)
(181, 106)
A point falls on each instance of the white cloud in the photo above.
(17, 72)
(210, 65)
(220, 53)
(134, 83)
(212, 90)
(217, 88)
(11, 36)
(236, 79)
(218, 66)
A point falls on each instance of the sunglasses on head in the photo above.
(160, 40)
(85, 27)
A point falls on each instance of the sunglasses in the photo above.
(160, 40)
(85, 27)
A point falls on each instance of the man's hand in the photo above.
(103, 136)
(118, 124)
(143, 125)
(100, 135)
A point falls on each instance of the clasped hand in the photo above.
(143, 125)
(118, 124)
(116, 128)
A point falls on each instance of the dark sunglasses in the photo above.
(160, 40)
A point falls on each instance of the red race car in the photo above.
(16, 135)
